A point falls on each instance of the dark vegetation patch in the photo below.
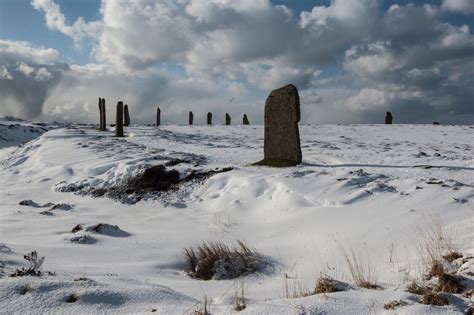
(218, 261)
(25, 289)
(452, 256)
(326, 284)
(107, 229)
(152, 181)
(72, 298)
(450, 283)
(434, 298)
(77, 228)
(416, 288)
(34, 267)
(275, 163)
(83, 239)
(394, 304)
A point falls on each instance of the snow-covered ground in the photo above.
(369, 187)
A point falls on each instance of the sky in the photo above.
(351, 60)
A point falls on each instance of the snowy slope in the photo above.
(14, 131)
(366, 185)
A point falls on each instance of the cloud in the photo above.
(459, 6)
(351, 60)
(55, 20)
(31, 73)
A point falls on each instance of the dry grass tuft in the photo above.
(433, 241)
(361, 267)
(394, 304)
(326, 284)
(216, 260)
(452, 256)
(437, 269)
(433, 298)
(450, 283)
(415, 288)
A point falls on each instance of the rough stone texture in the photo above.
(246, 120)
(100, 113)
(119, 120)
(158, 116)
(209, 118)
(126, 116)
(227, 119)
(282, 114)
(191, 118)
(388, 118)
(104, 120)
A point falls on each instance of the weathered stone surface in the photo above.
(209, 118)
(100, 114)
(104, 116)
(119, 120)
(191, 118)
(246, 120)
(388, 118)
(227, 119)
(282, 114)
(126, 116)
(158, 116)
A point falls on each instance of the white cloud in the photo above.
(459, 6)
(4, 73)
(55, 20)
(25, 69)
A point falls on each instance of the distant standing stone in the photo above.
(126, 116)
(158, 116)
(104, 116)
(282, 114)
(191, 118)
(436, 123)
(388, 118)
(246, 120)
(100, 114)
(227, 119)
(209, 118)
(119, 120)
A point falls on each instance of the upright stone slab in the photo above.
(104, 116)
(100, 114)
(191, 118)
(158, 116)
(246, 120)
(282, 137)
(227, 119)
(126, 116)
(119, 120)
(388, 118)
(209, 118)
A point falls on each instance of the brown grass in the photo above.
(433, 298)
(326, 284)
(361, 267)
(436, 269)
(433, 241)
(450, 283)
(394, 304)
(452, 256)
(220, 261)
(416, 288)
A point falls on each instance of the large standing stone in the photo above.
(246, 120)
(158, 116)
(191, 118)
(227, 119)
(282, 137)
(209, 118)
(100, 114)
(119, 120)
(388, 118)
(104, 116)
(126, 116)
